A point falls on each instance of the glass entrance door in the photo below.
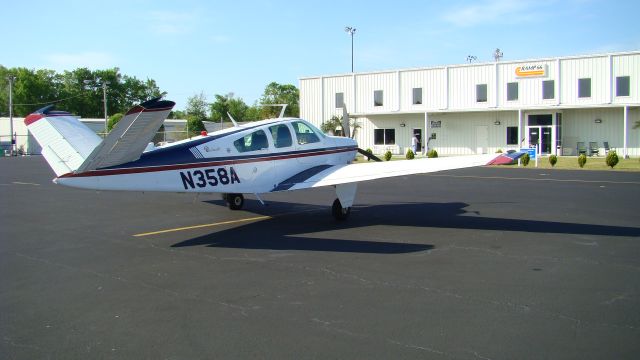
(541, 136)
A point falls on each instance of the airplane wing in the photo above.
(130, 137)
(327, 175)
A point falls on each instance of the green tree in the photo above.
(196, 113)
(113, 120)
(276, 93)
(229, 104)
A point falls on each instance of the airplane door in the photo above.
(306, 140)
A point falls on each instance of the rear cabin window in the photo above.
(255, 141)
(304, 133)
(281, 135)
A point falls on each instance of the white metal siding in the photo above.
(366, 84)
(433, 84)
(333, 85)
(529, 89)
(310, 102)
(462, 86)
(595, 68)
(627, 65)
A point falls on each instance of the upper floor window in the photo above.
(623, 86)
(281, 135)
(512, 91)
(548, 89)
(257, 140)
(304, 133)
(584, 88)
(481, 93)
(339, 100)
(378, 98)
(417, 96)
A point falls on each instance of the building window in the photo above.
(384, 136)
(339, 100)
(548, 89)
(584, 88)
(481, 93)
(512, 91)
(512, 135)
(622, 86)
(378, 98)
(417, 96)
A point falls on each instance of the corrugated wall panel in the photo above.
(529, 89)
(310, 100)
(627, 65)
(462, 86)
(332, 86)
(433, 84)
(579, 125)
(595, 68)
(366, 84)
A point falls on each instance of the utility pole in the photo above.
(11, 79)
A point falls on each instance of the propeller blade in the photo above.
(369, 155)
(345, 122)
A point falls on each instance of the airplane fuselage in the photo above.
(256, 158)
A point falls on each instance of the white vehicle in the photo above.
(272, 155)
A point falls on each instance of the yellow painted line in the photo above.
(203, 226)
(530, 179)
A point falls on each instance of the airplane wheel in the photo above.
(339, 212)
(235, 201)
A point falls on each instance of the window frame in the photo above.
(584, 88)
(339, 95)
(378, 98)
(417, 93)
(512, 134)
(548, 85)
(482, 89)
(511, 87)
(388, 136)
(619, 85)
(301, 140)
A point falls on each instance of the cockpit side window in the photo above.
(304, 133)
(281, 135)
(257, 140)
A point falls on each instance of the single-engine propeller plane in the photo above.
(281, 154)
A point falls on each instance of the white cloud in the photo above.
(493, 11)
(169, 22)
(88, 59)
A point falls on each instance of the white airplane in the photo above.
(281, 154)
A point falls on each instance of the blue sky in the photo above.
(217, 47)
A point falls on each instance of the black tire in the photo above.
(339, 212)
(235, 201)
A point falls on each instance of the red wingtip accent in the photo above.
(500, 160)
(32, 118)
(203, 133)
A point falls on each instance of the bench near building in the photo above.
(564, 105)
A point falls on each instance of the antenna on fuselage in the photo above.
(235, 124)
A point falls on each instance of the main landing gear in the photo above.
(339, 212)
(235, 201)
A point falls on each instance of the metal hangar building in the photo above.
(562, 105)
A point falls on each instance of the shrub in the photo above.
(387, 155)
(432, 153)
(582, 159)
(410, 155)
(553, 160)
(499, 151)
(524, 160)
(370, 152)
(612, 158)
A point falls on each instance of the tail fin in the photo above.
(65, 141)
(70, 146)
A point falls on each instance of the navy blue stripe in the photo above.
(300, 177)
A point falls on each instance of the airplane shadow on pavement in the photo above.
(305, 227)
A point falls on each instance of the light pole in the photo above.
(11, 79)
(351, 31)
(98, 82)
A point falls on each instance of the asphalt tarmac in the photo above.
(484, 263)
